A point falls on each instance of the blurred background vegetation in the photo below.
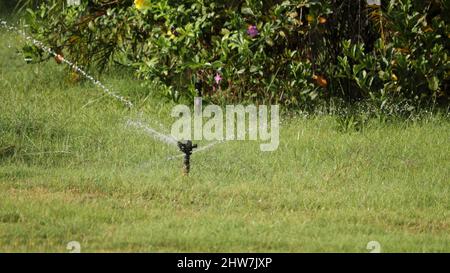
(298, 53)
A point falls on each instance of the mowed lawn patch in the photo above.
(70, 170)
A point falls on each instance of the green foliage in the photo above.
(290, 52)
(413, 63)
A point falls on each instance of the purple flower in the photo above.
(252, 31)
(217, 78)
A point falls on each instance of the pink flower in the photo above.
(218, 78)
(252, 31)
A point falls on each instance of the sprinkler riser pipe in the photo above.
(187, 148)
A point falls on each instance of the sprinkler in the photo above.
(187, 149)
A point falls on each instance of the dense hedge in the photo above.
(290, 52)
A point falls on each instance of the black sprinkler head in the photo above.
(187, 148)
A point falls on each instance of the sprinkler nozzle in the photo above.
(187, 148)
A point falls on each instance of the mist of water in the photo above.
(170, 140)
(72, 65)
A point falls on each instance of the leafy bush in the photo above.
(291, 52)
(412, 62)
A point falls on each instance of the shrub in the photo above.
(411, 61)
(290, 52)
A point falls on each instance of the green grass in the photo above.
(71, 171)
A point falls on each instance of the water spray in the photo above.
(61, 59)
(187, 148)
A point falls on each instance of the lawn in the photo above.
(70, 170)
